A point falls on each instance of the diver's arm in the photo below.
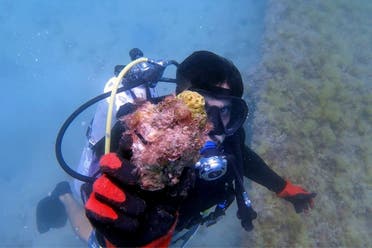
(116, 131)
(257, 170)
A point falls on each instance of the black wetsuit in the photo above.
(207, 194)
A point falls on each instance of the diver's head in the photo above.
(220, 82)
(206, 70)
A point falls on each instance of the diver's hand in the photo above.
(124, 214)
(247, 215)
(301, 199)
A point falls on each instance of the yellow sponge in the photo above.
(194, 101)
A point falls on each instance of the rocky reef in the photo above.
(312, 122)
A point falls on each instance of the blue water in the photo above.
(57, 54)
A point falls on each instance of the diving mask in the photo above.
(226, 112)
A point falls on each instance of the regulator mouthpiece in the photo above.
(211, 165)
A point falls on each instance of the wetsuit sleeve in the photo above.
(116, 132)
(257, 170)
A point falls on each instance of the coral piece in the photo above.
(167, 137)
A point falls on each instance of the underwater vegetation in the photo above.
(312, 122)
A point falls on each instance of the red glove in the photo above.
(299, 197)
(123, 213)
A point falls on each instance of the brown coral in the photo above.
(166, 137)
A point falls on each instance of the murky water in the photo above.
(56, 55)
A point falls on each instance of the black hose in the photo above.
(62, 131)
(67, 123)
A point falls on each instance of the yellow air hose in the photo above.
(112, 100)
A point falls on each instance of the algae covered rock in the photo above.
(166, 138)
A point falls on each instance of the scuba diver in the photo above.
(122, 214)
